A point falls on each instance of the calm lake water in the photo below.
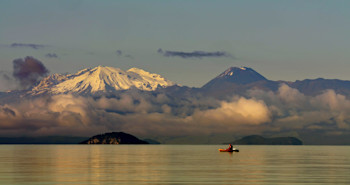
(173, 164)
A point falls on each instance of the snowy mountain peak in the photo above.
(101, 79)
(237, 75)
(48, 82)
(241, 75)
(236, 70)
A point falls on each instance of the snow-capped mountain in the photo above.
(241, 75)
(237, 80)
(233, 81)
(100, 80)
(237, 75)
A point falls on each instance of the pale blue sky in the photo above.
(281, 39)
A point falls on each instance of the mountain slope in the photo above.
(233, 81)
(100, 80)
(237, 75)
(319, 85)
(237, 80)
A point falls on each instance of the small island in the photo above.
(259, 140)
(114, 138)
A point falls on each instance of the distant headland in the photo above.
(114, 138)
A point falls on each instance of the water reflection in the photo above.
(172, 164)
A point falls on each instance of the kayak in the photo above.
(226, 150)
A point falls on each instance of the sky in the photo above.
(188, 42)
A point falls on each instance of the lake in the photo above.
(173, 164)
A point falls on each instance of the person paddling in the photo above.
(230, 148)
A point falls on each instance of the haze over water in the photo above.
(173, 164)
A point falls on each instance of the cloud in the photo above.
(28, 71)
(120, 53)
(151, 114)
(194, 54)
(129, 56)
(293, 111)
(23, 45)
(51, 55)
(241, 111)
(7, 82)
(8, 111)
(133, 112)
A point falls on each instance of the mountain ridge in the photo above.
(239, 80)
(108, 81)
(239, 75)
(100, 79)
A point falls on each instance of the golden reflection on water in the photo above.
(172, 164)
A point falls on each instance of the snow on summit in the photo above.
(101, 79)
(236, 75)
(241, 75)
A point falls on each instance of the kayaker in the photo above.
(230, 147)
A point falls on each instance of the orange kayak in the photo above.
(226, 150)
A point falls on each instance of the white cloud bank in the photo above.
(149, 115)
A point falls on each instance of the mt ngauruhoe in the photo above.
(238, 80)
(100, 80)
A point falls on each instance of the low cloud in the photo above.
(24, 45)
(291, 110)
(194, 54)
(136, 113)
(149, 114)
(28, 71)
(51, 55)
